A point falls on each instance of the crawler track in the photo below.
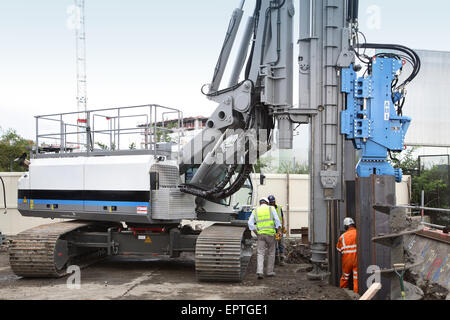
(222, 254)
(41, 252)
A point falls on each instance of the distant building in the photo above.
(191, 123)
(427, 103)
(191, 126)
(194, 123)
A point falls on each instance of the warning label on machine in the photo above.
(387, 111)
(141, 210)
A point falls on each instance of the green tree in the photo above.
(163, 134)
(12, 146)
(408, 163)
(263, 164)
(435, 184)
(434, 181)
(105, 147)
(287, 167)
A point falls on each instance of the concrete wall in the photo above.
(403, 191)
(295, 203)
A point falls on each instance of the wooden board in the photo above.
(371, 292)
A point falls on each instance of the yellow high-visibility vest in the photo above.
(265, 223)
(278, 208)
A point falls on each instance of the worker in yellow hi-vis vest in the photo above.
(279, 252)
(265, 223)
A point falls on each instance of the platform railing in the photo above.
(135, 129)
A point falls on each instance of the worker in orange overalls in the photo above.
(348, 248)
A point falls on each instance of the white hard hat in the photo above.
(348, 222)
(264, 200)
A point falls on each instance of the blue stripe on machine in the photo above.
(89, 203)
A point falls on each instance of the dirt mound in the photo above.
(291, 282)
(296, 252)
(431, 290)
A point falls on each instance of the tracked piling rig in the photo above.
(121, 202)
(132, 202)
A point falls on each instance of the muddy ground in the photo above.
(165, 279)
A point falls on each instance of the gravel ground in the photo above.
(165, 279)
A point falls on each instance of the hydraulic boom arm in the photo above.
(246, 108)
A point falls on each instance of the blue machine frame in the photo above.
(371, 119)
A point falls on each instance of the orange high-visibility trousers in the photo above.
(347, 246)
(349, 266)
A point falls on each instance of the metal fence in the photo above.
(115, 130)
(437, 167)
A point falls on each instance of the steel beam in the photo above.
(372, 192)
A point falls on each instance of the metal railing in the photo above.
(106, 131)
(422, 209)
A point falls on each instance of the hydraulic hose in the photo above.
(208, 193)
(411, 53)
(237, 184)
(4, 195)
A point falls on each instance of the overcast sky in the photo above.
(145, 51)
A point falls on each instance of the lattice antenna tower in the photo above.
(80, 33)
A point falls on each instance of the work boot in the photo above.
(282, 263)
(260, 276)
(271, 275)
(277, 260)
